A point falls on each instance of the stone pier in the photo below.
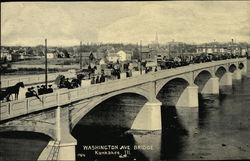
(189, 97)
(226, 79)
(237, 74)
(149, 117)
(212, 86)
(66, 141)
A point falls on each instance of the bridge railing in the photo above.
(33, 79)
(66, 96)
(28, 105)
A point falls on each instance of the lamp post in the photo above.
(46, 65)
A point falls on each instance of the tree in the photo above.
(63, 53)
(66, 54)
(30, 51)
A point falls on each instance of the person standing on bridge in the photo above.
(50, 90)
(102, 78)
(155, 69)
(97, 80)
(92, 80)
(28, 93)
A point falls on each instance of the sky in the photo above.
(68, 23)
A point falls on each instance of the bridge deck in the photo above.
(64, 96)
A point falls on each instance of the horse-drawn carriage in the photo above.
(6, 93)
(62, 82)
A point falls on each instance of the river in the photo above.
(218, 129)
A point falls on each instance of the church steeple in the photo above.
(156, 38)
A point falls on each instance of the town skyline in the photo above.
(67, 24)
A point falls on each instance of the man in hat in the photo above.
(50, 90)
(42, 90)
(102, 78)
(28, 93)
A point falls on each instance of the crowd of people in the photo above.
(39, 90)
(98, 79)
(182, 60)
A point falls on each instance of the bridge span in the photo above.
(56, 114)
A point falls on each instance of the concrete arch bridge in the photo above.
(58, 113)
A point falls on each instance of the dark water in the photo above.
(25, 146)
(218, 129)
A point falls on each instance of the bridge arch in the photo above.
(241, 66)
(171, 91)
(161, 83)
(225, 66)
(232, 68)
(88, 106)
(202, 71)
(220, 72)
(201, 79)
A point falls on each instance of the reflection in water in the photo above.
(173, 133)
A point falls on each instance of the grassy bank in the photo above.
(54, 61)
(28, 71)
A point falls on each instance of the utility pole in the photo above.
(46, 65)
(247, 51)
(214, 46)
(206, 48)
(140, 56)
(232, 46)
(80, 54)
(169, 50)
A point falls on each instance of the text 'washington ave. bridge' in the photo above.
(56, 114)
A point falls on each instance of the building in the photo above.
(148, 54)
(243, 52)
(5, 55)
(103, 61)
(123, 56)
(222, 50)
(113, 57)
(17, 57)
(50, 55)
(162, 53)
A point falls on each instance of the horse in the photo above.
(11, 90)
